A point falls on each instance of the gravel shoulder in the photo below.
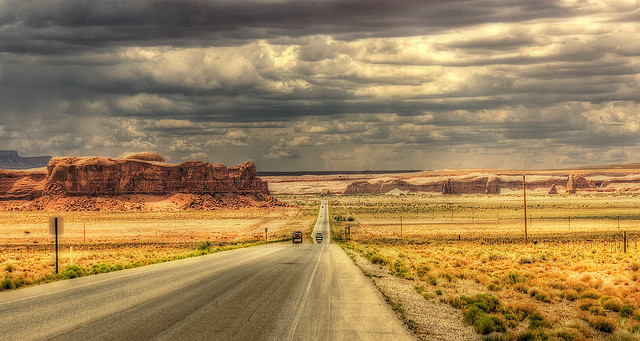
(427, 319)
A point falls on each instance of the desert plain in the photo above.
(573, 275)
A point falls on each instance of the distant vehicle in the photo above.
(319, 237)
(297, 237)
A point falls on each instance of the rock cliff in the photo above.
(138, 174)
(576, 181)
(467, 184)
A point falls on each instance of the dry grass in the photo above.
(578, 279)
(115, 240)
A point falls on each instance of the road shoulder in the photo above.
(427, 319)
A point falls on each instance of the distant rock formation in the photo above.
(493, 186)
(363, 187)
(553, 189)
(9, 159)
(576, 181)
(447, 188)
(467, 184)
(145, 173)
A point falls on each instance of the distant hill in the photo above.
(9, 159)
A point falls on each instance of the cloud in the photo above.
(322, 84)
(281, 154)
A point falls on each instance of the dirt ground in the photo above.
(133, 238)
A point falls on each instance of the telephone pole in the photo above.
(524, 192)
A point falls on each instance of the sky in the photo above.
(324, 84)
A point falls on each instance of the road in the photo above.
(270, 292)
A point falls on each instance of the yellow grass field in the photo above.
(573, 280)
(104, 241)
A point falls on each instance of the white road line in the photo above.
(294, 325)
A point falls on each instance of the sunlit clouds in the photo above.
(325, 84)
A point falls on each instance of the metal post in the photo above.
(524, 192)
(625, 241)
(56, 232)
(266, 236)
(400, 226)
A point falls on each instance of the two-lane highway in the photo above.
(270, 292)
(322, 224)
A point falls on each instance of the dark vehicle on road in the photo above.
(319, 237)
(297, 237)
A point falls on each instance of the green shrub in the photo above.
(590, 294)
(602, 324)
(568, 334)
(377, 258)
(9, 267)
(525, 309)
(494, 287)
(536, 321)
(471, 314)
(598, 310)
(486, 324)
(569, 294)
(204, 246)
(626, 310)
(543, 296)
(527, 260)
(512, 320)
(7, 284)
(458, 302)
(526, 336)
(587, 303)
(401, 271)
(447, 276)
(432, 280)
(72, 271)
(539, 294)
(514, 278)
(438, 292)
(521, 287)
(613, 304)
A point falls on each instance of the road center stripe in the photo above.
(294, 325)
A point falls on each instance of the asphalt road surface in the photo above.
(308, 291)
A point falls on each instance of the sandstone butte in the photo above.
(192, 184)
(493, 184)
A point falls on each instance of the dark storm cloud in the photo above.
(68, 25)
(278, 80)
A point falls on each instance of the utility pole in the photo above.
(524, 192)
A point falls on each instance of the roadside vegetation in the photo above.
(564, 284)
(122, 240)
